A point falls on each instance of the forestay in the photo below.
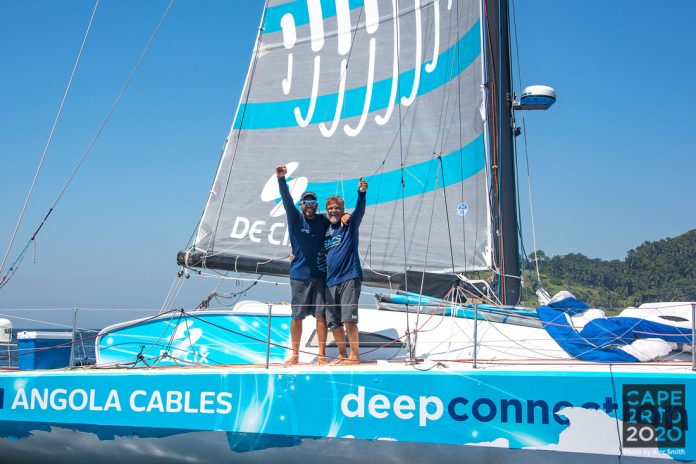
(331, 95)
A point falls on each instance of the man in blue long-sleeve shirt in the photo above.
(308, 266)
(344, 274)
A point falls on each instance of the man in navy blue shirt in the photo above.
(344, 274)
(308, 266)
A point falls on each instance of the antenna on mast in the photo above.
(536, 97)
(504, 104)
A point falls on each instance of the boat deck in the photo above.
(382, 366)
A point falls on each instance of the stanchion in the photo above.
(268, 343)
(475, 333)
(72, 344)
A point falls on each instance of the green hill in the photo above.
(664, 270)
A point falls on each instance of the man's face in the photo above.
(334, 211)
(308, 206)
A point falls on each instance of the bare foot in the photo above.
(337, 361)
(321, 360)
(294, 359)
(350, 362)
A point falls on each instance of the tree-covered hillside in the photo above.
(664, 270)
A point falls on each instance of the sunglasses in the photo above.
(309, 202)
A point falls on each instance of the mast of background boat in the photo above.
(504, 193)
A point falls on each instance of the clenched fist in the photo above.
(362, 186)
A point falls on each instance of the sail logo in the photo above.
(271, 192)
(462, 209)
(184, 338)
(345, 37)
(277, 232)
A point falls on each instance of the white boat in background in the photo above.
(415, 97)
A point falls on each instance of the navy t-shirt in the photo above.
(306, 239)
(341, 245)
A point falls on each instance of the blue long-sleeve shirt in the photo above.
(306, 239)
(341, 245)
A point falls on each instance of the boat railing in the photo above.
(9, 348)
(268, 337)
(76, 341)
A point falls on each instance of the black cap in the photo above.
(308, 194)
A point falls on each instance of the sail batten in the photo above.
(327, 109)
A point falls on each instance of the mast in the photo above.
(504, 191)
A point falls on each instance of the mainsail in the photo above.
(387, 90)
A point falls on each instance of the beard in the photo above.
(334, 219)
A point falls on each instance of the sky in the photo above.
(611, 163)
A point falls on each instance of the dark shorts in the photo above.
(307, 298)
(342, 303)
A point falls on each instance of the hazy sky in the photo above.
(612, 163)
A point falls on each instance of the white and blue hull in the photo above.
(431, 411)
(193, 387)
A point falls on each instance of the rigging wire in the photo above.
(526, 148)
(425, 261)
(403, 188)
(170, 342)
(169, 293)
(449, 229)
(616, 419)
(174, 291)
(17, 262)
(65, 326)
(459, 147)
(194, 234)
(343, 75)
(205, 304)
(50, 138)
(444, 113)
(247, 87)
(518, 212)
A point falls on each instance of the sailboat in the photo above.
(415, 97)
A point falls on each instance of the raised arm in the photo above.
(359, 211)
(288, 203)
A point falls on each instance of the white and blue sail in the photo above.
(386, 90)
